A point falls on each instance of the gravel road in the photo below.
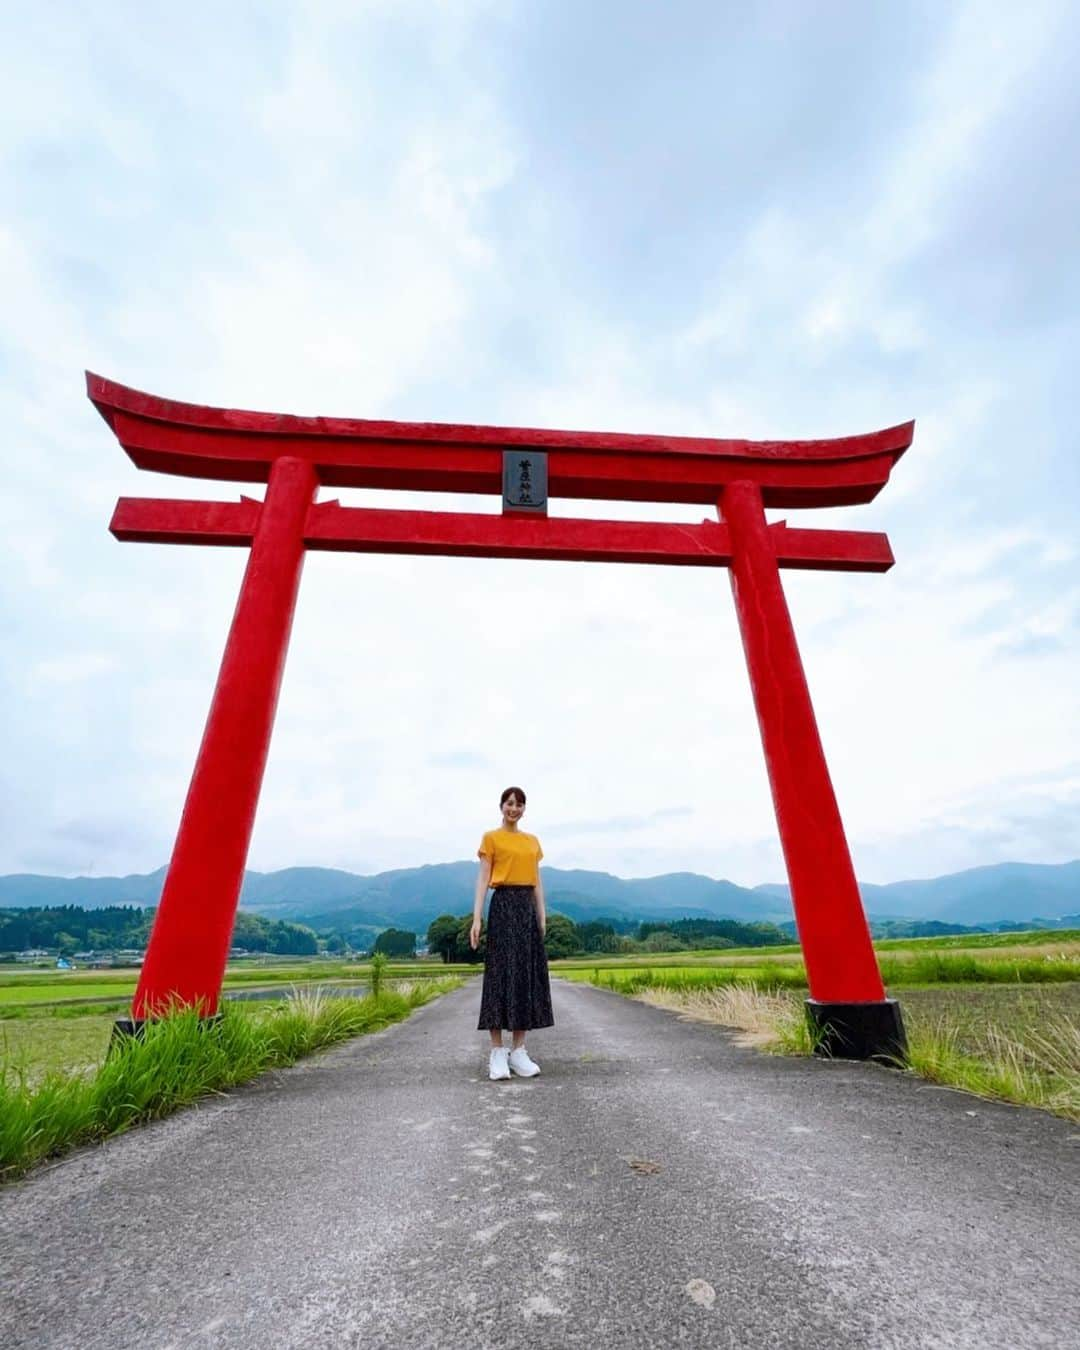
(657, 1185)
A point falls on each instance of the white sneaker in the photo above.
(521, 1064)
(497, 1064)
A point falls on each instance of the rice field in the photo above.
(32, 1047)
(1037, 942)
(23, 991)
(27, 993)
(909, 963)
(979, 999)
(977, 1017)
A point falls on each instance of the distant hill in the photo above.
(1016, 891)
(24, 890)
(411, 897)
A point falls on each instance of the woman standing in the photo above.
(516, 993)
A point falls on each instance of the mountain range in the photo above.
(411, 897)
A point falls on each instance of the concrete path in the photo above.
(656, 1186)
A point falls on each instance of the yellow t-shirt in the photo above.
(515, 857)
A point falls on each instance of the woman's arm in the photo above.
(483, 878)
(541, 913)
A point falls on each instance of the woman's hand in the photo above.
(483, 879)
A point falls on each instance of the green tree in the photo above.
(462, 950)
(596, 936)
(442, 936)
(141, 926)
(396, 942)
(663, 941)
(292, 939)
(561, 937)
(717, 932)
(251, 932)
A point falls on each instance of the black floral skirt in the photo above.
(516, 993)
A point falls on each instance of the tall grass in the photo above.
(178, 1059)
(767, 1019)
(636, 980)
(1043, 1070)
(379, 963)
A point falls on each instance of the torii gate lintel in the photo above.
(331, 527)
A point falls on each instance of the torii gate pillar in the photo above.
(189, 946)
(848, 1007)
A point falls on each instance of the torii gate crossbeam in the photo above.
(189, 945)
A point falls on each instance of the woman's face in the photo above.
(513, 808)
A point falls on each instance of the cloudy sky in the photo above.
(765, 220)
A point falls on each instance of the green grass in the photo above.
(965, 968)
(1064, 940)
(700, 956)
(178, 1060)
(96, 1007)
(39, 992)
(1035, 937)
(907, 966)
(634, 979)
(282, 971)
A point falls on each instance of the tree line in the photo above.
(69, 929)
(448, 936)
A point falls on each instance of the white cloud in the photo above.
(74, 667)
(371, 216)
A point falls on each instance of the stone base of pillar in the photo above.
(132, 1028)
(858, 1030)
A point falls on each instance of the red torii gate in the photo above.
(189, 945)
